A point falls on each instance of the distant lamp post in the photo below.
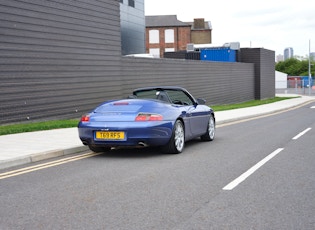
(309, 68)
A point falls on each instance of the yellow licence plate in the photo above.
(106, 135)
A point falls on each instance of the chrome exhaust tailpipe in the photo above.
(142, 144)
(85, 143)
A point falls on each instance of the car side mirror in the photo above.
(201, 101)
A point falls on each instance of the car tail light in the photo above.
(85, 118)
(149, 117)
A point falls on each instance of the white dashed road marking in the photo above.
(301, 134)
(250, 171)
(253, 169)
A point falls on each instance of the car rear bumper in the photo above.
(145, 134)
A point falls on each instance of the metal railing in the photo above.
(299, 86)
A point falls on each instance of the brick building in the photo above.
(201, 31)
(168, 34)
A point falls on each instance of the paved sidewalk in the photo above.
(237, 114)
(18, 149)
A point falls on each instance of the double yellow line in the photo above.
(45, 165)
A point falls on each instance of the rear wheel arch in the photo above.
(182, 120)
(212, 113)
(210, 133)
(176, 143)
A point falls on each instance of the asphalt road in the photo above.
(257, 174)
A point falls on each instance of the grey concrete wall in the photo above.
(217, 82)
(264, 61)
(59, 59)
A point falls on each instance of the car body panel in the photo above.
(119, 116)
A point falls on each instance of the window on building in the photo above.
(169, 49)
(169, 36)
(121, 1)
(154, 37)
(155, 52)
(131, 3)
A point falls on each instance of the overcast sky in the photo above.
(270, 24)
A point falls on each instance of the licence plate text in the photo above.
(106, 135)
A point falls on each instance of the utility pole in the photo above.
(309, 68)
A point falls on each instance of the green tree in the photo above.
(295, 67)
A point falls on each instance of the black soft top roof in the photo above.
(161, 88)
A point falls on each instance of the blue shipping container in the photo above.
(218, 54)
(306, 81)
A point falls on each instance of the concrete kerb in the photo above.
(261, 114)
(41, 156)
(4, 164)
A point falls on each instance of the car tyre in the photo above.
(210, 134)
(97, 149)
(177, 141)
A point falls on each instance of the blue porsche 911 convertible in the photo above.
(151, 116)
